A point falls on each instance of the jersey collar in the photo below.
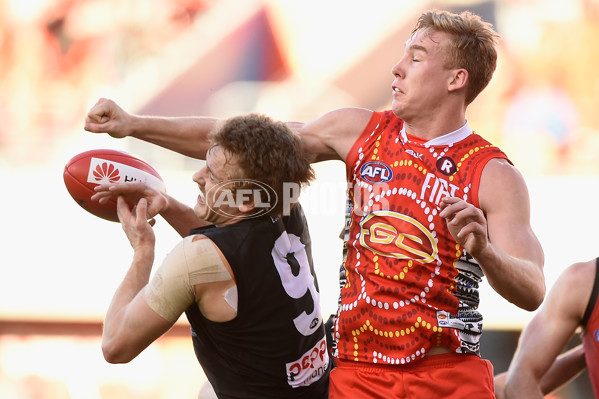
(446, 139)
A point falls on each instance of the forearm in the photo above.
(181, 217)
(566, 367)
(520, 281)
(522, 385)
(136, 278)
(185, 135)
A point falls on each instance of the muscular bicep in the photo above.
(169, 292)
(331, 136)
(138, 327)
(195, 261)
(504, 198)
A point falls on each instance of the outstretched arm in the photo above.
(499, 235)
(180, 216)
(327, 137)
(130, 325)
(185, 135)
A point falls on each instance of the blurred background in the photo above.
(292, 60)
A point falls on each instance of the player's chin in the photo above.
(396, 107)
(202, 211)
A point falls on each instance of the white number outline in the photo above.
(296, 286)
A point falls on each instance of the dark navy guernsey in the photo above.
(275, 347)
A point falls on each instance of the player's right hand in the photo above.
(133, 192)
(107, 117)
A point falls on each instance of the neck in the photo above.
(430, 131)
(436, 121)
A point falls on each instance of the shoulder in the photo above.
(573, 288)
(579, 278)
(348, 116)
(580, 271)
(205, 262)
(501, 168)
(331, 135)
(197, 248)
(502, 183)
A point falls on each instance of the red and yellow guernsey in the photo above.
(409, 286)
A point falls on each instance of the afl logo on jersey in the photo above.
(446, 166)
(376, 172)
(596, 335)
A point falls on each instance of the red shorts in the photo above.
(446, 376)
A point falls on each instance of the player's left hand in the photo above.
(466, 223)
(133, 220)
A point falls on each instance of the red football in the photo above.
(91, 168)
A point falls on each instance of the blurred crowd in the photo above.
(55, 57)
(55, 54)
(542, 106)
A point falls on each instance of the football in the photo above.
(85, 171)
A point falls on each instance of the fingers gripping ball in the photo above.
(85, 171)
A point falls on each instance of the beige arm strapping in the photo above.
(194, 260)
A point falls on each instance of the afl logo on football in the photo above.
(376, 172)
(446, 166)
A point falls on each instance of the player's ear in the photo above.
(246, 200)
(458, 79)
(247, 207)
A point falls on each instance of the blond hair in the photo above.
(473, 46)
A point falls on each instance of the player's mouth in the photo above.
(201, 198)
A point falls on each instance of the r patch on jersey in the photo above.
(447, 166)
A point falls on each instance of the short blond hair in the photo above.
(473, 46)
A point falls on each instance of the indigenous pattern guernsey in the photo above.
(409, 285)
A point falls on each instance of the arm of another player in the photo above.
(546, 335)
(499, 235)
(327, 137)
(565, 368)
(180, 216)
(130, 325)
(185, 135)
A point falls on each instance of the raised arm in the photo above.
(185, 135)
(327, 137)
(130, 325)
(546, 335)
(332, 135)
(179, 215)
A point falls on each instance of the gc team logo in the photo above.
(230, 194)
